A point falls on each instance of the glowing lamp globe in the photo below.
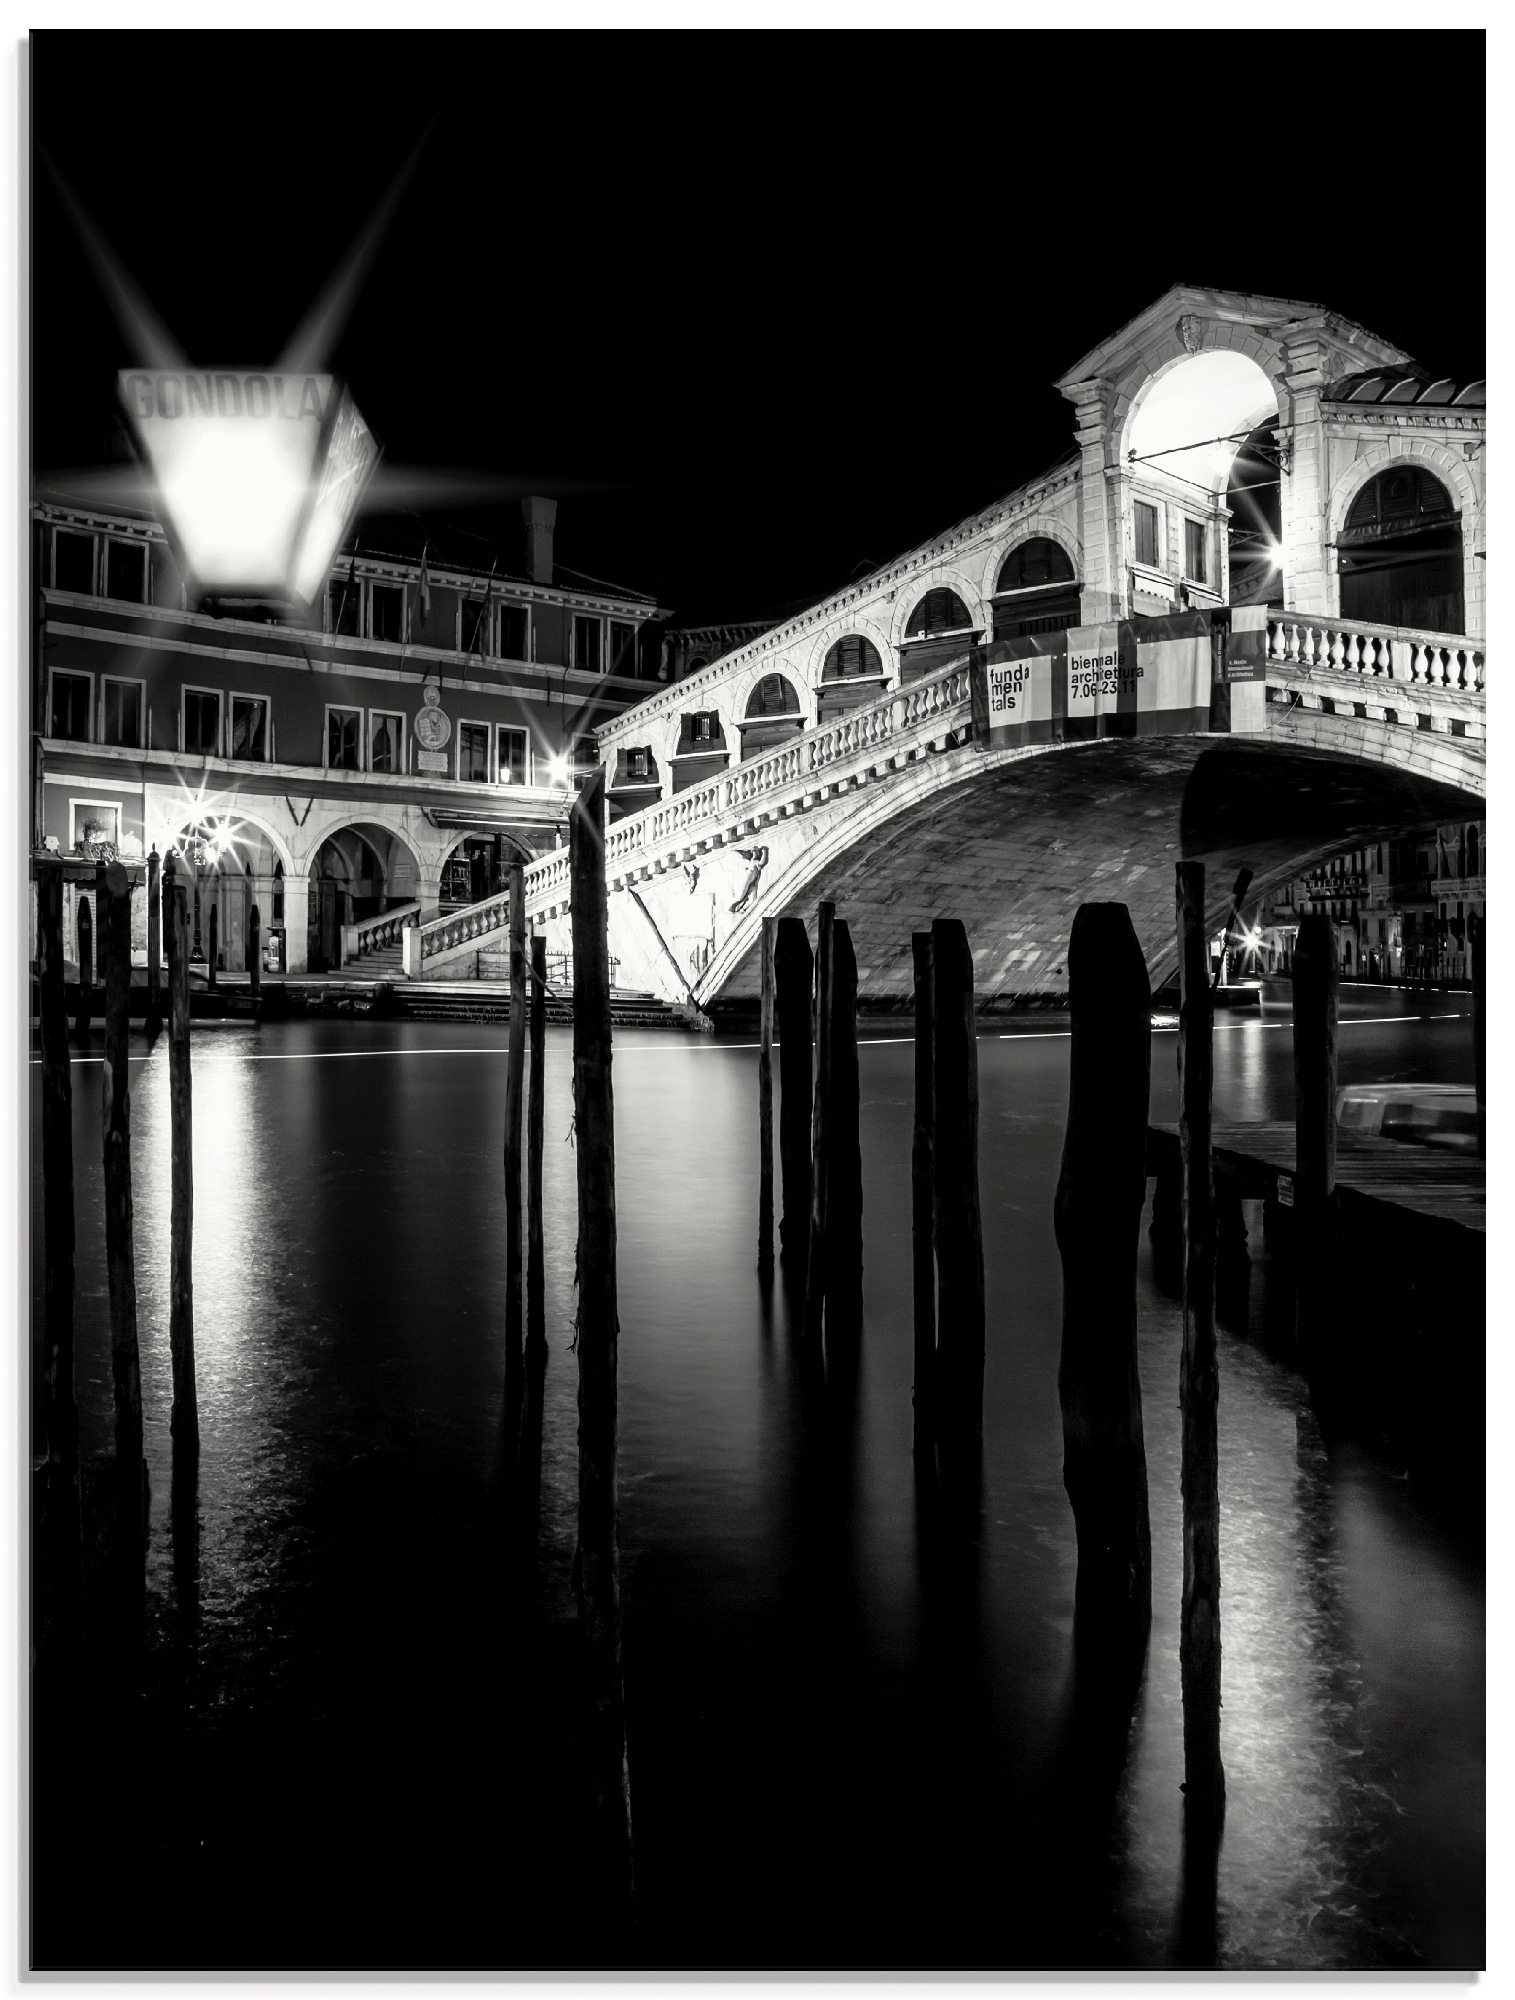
(258, 474)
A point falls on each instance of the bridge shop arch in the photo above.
(1405, 525)
(936, 623)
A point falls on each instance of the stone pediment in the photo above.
(1194, 317)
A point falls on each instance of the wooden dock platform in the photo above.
(1435, 1184)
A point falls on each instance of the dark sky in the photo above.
(799, 299)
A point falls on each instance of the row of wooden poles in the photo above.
(62, 1512)
(92, 945)
(597, 1328)
(811, 999)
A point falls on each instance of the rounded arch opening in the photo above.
(1036, 590)
(358, 871)
(774, 713)
(940, 610)
(852, 674)
(1399, 552)
(939, 629)
(1190, 418)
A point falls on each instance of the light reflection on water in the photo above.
(781, 1606)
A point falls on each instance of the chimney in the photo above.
(539, 515)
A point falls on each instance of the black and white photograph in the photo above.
(750, 867)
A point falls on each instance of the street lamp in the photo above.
(259, 473)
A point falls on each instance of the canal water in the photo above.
(348, 1732)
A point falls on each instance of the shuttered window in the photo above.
(773, 695)
(851, 656)
(939, 610)
(1035, 564)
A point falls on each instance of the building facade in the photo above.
(1400, 908)
(424, 726)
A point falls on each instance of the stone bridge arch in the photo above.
(1013, 841)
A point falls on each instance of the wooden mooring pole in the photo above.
(84, 951)
(922, 1181)
(820, 1129)
(1480, 1057)
(956, 1222)
(793, 972)
(154, 945)
(1199, 1378)
(536, 1314)
(101, 942)
(1315, 997)
(515, 1075)
(184, 1423)
(64, 1583)
(1101, 1192)
(120, 1256)
(254, 954)
(844, 1169)
(213, 947)
(596, 1565)
(765, 1099)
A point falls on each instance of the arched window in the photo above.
(1035, 564)
(773, 715)
(850, 657)
(773, 696)
(1406, 496)
(940, 610)
(697, 664)
(1400, 553)
(1037, 591)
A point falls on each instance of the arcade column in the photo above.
(296, 923)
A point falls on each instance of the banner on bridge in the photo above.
(1135, 677)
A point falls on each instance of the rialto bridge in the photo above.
(1262, 469)
(907, 809)
(1262, 498)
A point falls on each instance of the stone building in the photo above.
(422, 727)
(1400, 908)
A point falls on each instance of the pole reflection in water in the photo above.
(859, 1732)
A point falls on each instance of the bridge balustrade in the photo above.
(899, 723)
(444, 935)
(377, 933)
(1388, 652)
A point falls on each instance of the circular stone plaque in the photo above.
(432, 729)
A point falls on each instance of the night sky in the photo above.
(798, 300)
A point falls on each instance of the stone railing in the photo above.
(886, 732)
(1389, 652)
(464, 928)
(376, 933)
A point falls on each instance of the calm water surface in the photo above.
(349, 1735)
